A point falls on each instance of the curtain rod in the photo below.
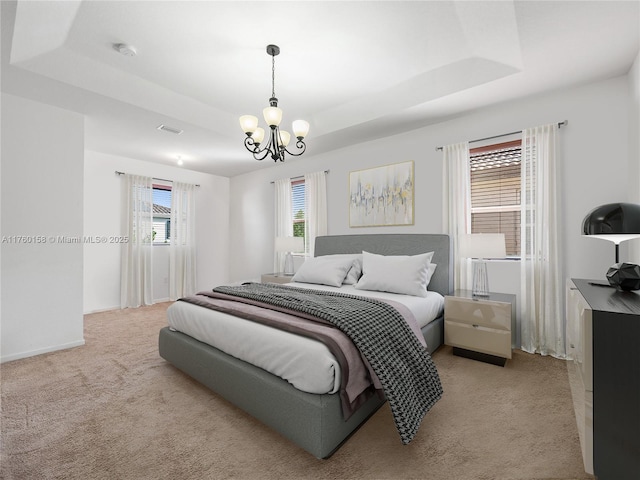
(153, 178)
(299, 176)
(560, 124)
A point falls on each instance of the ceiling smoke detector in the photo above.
(126, 50)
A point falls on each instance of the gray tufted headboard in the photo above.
(397, 244)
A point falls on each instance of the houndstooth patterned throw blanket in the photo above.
(404, 368)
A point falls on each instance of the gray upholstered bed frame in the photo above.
(313, 422)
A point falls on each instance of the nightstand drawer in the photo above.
(478, 338)
(276, 278)
(485, 313)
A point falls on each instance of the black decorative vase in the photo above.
(625, 276)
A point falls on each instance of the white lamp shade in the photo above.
(289, 244)
(258, 135)
(249, 123)
(300, 128)
(482, 245)
(273, 116)
(616, 238)
(284, 139)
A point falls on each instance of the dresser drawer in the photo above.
(489, 314)
(478, 338)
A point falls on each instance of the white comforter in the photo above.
(305, 363)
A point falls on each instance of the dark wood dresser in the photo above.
(610, 364)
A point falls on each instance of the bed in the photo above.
(313, 421)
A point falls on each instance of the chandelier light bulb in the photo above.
(300, 128)
(258, 135)
(273, 116)
(284, 138)
(249, 123)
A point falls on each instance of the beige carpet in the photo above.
(113, 409)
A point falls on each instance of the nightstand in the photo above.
(481, 328)
(276, 277)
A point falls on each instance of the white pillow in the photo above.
(405, 274)
(355, 272)
(432, 268)
(325, 270)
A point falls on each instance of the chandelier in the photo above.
(278, 140)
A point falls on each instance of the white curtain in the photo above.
(315, 200)
(182, 241)
(457, 206)
(542, 328)
(136, 286)
(284, 218)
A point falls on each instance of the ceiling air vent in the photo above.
(165, 128)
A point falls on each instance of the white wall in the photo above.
(634, 148)
(593, 170)
(42, 167)
(102, 203)
(1, 155)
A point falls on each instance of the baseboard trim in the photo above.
(117, 307)
(40, 351)
(101, 310)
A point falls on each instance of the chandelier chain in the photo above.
(273, 75)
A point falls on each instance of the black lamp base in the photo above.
(625, 276)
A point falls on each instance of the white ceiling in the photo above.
(355, 70)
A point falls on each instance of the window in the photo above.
(161, 214)
(298, 208)
(495, 192)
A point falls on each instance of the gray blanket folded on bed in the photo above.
(403, 366)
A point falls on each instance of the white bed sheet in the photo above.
(305, 363)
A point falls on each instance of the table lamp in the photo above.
(288, 245)
(480, 246)
(616, 222)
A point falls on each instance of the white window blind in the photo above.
(298, 208)
(495, 192)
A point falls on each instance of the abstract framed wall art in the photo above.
(381, 196)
